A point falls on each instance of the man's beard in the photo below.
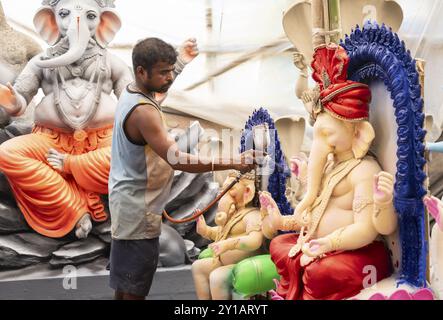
(162, 89)
(165, 88)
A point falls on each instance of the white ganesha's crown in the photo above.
(101, 3)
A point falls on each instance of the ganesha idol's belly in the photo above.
(46, 113)
(335, 217)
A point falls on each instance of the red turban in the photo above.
(344, 99)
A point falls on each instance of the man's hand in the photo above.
(188, 50)
(8, 99)
(248, 160)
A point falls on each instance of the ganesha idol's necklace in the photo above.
(77, 97)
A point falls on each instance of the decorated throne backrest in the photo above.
(384, 148)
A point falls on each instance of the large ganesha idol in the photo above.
(345, 207)
(359, 232)
(58, 172)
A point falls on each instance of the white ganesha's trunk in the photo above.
(317, 161)
(79, 36)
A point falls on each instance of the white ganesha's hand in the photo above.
(383, 188)
(317, 248)
(56, 159)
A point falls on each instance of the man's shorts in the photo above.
(132, 265)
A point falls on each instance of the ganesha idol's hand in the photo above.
(383, 188)
(435, 208)
(8, 99)
(272, 218)
(188, 51)
(317, 248)
(202, 227)
(221, 247)
(299, 61)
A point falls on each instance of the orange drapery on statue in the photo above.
(53, 202)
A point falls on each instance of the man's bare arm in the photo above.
(149, 123)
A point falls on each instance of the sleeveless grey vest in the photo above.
(139, 180)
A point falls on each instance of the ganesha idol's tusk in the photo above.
(435, 147)
(199, 213)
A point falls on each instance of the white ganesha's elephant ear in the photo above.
(46, 25)
(364, 135)
(297, 21)
(110, 24)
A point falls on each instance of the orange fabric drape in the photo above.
(53, 202)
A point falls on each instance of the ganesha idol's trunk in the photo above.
(79, 35)
(317, 161)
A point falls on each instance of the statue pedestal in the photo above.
(42, 283)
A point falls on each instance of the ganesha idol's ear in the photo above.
(363, 136)
(249, 193)
(110, 24)
(46, 25)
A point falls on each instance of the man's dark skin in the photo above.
(144, 126)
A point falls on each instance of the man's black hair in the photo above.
(150, 51)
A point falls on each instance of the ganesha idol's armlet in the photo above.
(234, 244)
(384, 218)
(360, 203)
(381, 208)
(336, 239)
(289, 223)
(26, 87)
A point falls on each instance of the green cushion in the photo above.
(205, 254)
(255, 275)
